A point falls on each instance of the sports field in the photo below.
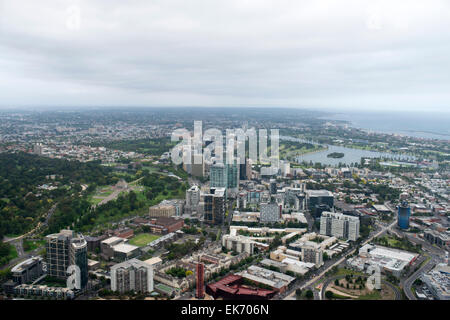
(143, 239)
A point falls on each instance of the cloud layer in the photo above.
(294, 53)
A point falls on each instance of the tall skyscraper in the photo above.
(63, 250)
(192, 198)
(243, 170)
(214, 206)
(404, 212)
(273, 186)
(37, 148)
(218, 176)
(197, 165)
(132, 275)
(232, 171)
(200, 290)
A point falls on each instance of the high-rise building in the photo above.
(200, 270)
(312, 252)
(192, 198)
(132, 275)
(197, 165)
(243, 170)
(37, 148)
(248, 169)
(218, 176)
(232, 171)
(339, 225)
(404, 212)
(63, 250)
(273, 186)
(214, 206)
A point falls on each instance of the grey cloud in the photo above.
(268, 53)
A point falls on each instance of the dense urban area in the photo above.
(92, 207)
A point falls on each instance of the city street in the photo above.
(325, 269)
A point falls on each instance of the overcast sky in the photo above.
(340, 54)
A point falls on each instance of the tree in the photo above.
(309, 294)
(329, 294)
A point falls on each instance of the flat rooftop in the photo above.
(153, 261)
(125, 248)
(112, 240)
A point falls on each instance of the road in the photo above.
(311, 283)
(409, 282)
(18, 241)
(38, 226)
(20, 258)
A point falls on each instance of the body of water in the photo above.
(432, 125)
(350, 155)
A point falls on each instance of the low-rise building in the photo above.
(107, 246)
(438, 281)
(389, 260)
(230, 287)
(442, 239)
(276, 280)
(44, 291)
(163, 209)
(124, 251)
(27, 270)
(154, 262)
(165, 225)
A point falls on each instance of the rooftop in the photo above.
(125, 248)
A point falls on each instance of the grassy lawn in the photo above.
(338, 296)
(100, 194)
(11, 255)
(12, 252)
(95, 201)
(374, 295)
(143, 239)
(343, 271)
(29, 245)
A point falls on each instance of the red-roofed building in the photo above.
(231, 287)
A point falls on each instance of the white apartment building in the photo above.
(339, 225)
(193, 198)
(238, 243)
(132, 275)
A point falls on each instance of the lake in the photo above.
(350, 155)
